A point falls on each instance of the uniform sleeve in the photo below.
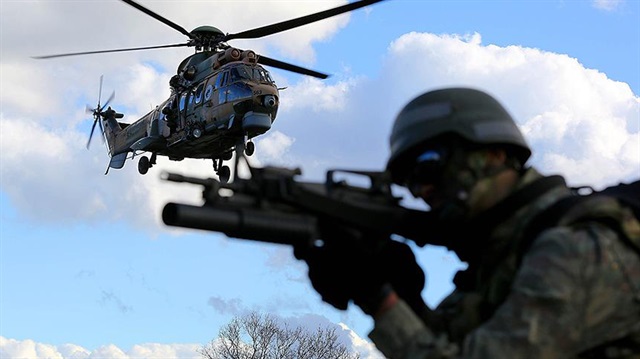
(544, 316)
(400, 334)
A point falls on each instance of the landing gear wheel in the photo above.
(249, 148)
(224, 174)
(227, 156)
(144, 165)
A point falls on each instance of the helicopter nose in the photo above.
(269, 101)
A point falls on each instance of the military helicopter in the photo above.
(221, 98)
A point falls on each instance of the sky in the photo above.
(88, 269)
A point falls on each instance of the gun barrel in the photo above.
(247, 223)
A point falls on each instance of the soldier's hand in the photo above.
(344, 270)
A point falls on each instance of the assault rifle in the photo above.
(272, 206)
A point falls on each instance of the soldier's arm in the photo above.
(559, 291)
(400, 334)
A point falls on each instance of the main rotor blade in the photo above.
(289, 67)
(293, 23)
(113, 94)
(106, 51)
(159, 18)
(100, 92)
(101, 131)
(92, 128)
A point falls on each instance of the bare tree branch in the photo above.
(257, 336)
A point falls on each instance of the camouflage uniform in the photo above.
(576, 293)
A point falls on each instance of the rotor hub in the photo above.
(206, 37)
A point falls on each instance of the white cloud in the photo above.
(314, 94)
(22, 349)
(365, 347)
(10, 348)
(274, 146)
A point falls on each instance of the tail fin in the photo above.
(109, 128)
(110, 119)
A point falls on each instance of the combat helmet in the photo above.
(470, 114)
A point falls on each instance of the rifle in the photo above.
(272, 206)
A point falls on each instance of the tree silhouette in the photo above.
(256, 336)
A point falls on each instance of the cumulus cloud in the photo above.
(345, 335)
(274, 146)
(579, 122)
(18, 349)
(314, 94)
(366, 348)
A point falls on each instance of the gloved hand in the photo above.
(348, 268)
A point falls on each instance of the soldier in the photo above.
(569, 290)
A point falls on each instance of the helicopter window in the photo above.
(258, 75)
(266, 75)
(183, 99)
(198, 97)
(190, 101)
(208, 92)
(235, 75)
(244, 72)
(255, 73)
(221, 81)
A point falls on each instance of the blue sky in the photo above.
(87, 269)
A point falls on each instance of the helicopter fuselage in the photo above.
(230, 99)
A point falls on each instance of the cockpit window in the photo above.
(254, 73)
(235, 75)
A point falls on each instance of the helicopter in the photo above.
(221, 98)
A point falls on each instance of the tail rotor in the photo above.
(98, 113)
